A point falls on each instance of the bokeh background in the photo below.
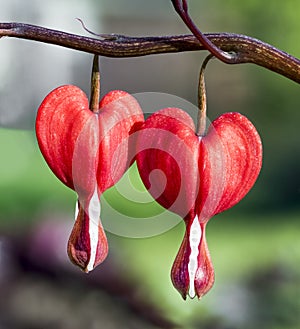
(254, 246)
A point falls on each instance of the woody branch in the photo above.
(246, 49)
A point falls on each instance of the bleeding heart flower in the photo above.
(88, 152)
(197, 177)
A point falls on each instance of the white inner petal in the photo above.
(76, 209)
(94, 218)
(194, 241)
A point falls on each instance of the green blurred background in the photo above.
(255, 246)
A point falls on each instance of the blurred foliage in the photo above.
(257, 274)
(255, 256)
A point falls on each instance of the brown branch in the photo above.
(247, 49)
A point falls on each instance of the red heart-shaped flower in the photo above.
(197, 177)
(88, 152)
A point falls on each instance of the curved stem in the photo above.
(202, 103)
(181, 8)
(246, 49)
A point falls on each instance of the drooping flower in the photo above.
(88, 152)
(197, 177)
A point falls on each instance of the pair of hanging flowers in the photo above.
(89, 146)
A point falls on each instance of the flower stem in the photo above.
(95, 85)
(202, 103)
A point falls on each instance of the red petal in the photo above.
(167, 159)
(62, 118)
(119, 117)
(230, 161)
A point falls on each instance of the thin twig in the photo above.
(247, 49)
(181, 7)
